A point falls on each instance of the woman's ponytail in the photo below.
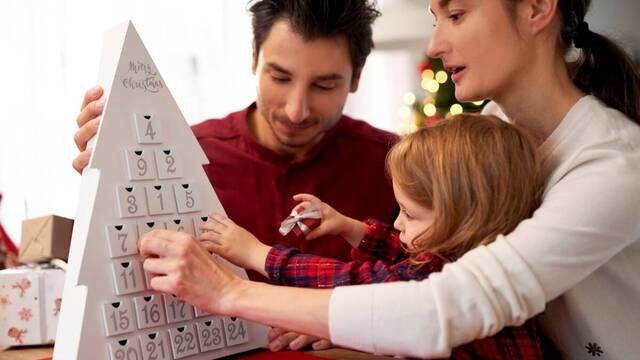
(604, 69)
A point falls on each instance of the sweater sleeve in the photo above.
(582, 223)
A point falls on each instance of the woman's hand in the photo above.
(180, 265)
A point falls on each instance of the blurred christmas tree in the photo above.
(438, 100)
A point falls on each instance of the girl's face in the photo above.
(413, 219)
(480, 46)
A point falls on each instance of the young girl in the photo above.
(459, 184)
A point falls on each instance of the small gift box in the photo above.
(301, 221)
(29, 305)
(45, 238)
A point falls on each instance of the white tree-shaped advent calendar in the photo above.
(145, 173)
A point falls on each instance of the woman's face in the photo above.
(480, 46)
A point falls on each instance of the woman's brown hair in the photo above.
(479, 174)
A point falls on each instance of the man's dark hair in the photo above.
(314, 19)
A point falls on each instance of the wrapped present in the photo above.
(301, 221)
(45, 238)
(30, 301)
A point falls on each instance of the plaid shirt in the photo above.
(379, 248)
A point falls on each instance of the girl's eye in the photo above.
(455, 17)
(406, 214)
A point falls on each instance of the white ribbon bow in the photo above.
(296, 218)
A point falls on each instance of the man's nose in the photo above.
(297, 108)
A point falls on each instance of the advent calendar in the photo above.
(145, 173)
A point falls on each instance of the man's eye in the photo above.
(325, 86)
(280, 79)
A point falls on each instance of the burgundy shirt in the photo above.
(255, 184)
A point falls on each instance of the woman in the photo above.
(582, 242)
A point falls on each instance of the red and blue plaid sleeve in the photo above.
(517, 342)
(380, 242)
(288, 266)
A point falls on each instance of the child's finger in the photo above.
(303, 205)
(216, 249)
(211, 236)
(305, 197)
(212, 225)
(221, 219)
(315, 233)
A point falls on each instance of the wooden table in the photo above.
(45, 351)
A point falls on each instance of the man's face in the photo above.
(302, 87)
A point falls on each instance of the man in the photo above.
(307, 57)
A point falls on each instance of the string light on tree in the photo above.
(456, 109)
(438, 100)
(441, 76)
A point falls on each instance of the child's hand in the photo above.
(234, 243)
(333, 222)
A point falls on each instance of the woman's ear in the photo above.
(541, 14)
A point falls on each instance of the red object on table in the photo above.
(286, 355)
(4, 238)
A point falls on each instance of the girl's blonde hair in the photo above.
(479, 174)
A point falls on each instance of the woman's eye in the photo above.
(455, 17)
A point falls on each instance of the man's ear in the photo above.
(355, 79)
(254, 54)
(540, 13)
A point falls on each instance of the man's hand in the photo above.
(180, 265)
(88, 121)
(234, 243)
(333, 222)
(280, 339)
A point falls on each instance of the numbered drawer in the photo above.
(177, 310)
(184, 341)
(148, 128)
(131, 201)
(169, 164)
(155, 346)
(197, 222)
(184, 224)
(127, 276)
(160, 200)
(149, 311)
(122, 239)
(235, 330)
(125, 349)
(140, 164)
(147, 279)
(210, 334)
(200, 313)
(187, 197)
(148, 225)
(118, 317)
